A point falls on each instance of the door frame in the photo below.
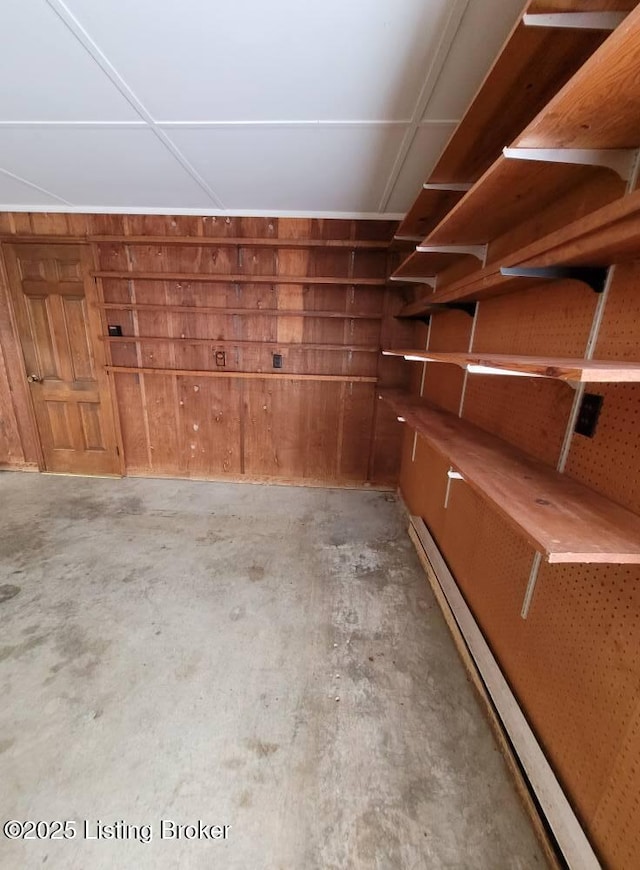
(95, 319)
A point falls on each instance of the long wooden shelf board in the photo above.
(519, 80)
(563, 519)
(559, 368)
(600, 106)
(240, 279)
(240, 312)
(226, 342)
(239, 241)
(521, 188)
(427, 211)
(606, 236)
(222, 373)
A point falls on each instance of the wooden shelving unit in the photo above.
(562, 519)
(558, 368)
(519, 80)
(608, 235)
(587, 120)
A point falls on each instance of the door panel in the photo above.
(52, 295)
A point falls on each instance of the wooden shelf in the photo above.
(248, 376)
(559, 368)
(427, 211)
(426, 264)
(218, 342)
(606, 236)
(241, 279)
(561, 518)
(521, 188)
(518, 79)
(240, 312)
(235, 241)
(600, 106)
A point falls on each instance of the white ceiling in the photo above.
(245, 107)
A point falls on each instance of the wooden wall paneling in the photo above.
(134, 426)
(11, 452)
(209, 426)
(19, 413)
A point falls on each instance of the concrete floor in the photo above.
(269, 658)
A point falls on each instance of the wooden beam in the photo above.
(233, 242)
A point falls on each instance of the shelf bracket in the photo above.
(468, 307)
(402, 238)
(477, 251)
(452, 186)
(619, 160)
(593, 276)
(428, 279)
(576, 20)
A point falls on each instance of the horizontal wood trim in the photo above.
(242, 312)
(290, 345)
(260, 376)
(221, 278)
(233, 242)
(563, 519)
(560, 368)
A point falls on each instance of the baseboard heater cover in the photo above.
(571, 839)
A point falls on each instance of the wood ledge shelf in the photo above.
(607, 236)
(221, 278)
(226, 342)
(559, 368)
(260, 376)
(240, 312)
(564, 520)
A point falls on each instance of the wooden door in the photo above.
(58, 325)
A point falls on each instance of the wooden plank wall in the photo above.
(194, 424)
(573, 662)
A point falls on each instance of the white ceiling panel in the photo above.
(306, 168)
(46, 75)
(423, 154)
(100, 166)
(482, 33)
(16, 192)
(248, 60)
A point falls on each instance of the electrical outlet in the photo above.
(115, 330)
(221, 358)
(589, 414)
(277, 360)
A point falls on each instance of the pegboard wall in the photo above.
(573, 663)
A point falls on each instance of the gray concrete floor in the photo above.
(269, 658)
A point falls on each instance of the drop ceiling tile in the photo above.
(427, 146)
(15, 192)
(250, 60)
(101, 166)
(482, 33)
(46, 75)
(303, 168)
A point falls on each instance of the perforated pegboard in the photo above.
(579, 671)
(551, 319)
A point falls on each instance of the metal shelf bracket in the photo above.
(619, 160)
(477, 251)
(593, 276)
(576, 20)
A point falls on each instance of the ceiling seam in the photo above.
(431, 80)
(35, 187)
(78, 31)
